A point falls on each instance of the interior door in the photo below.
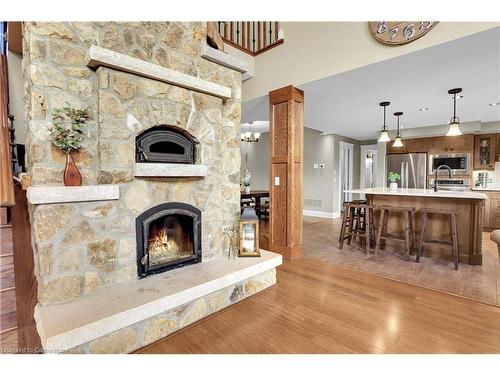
(346, 172)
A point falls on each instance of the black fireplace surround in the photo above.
(165, 144)
(168, 237)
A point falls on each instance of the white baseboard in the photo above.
(323, 214)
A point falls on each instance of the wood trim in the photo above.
(286, 150)
(26, 285)
(15, 37)
(6, 181)
(256, 53)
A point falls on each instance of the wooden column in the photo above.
(286, 116)
(24, 275)
(6, 182)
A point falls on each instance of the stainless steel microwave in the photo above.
(460, 164)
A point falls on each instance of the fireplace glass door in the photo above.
(168, 236)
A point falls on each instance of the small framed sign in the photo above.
(249, 234)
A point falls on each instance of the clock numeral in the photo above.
(392, 32)
(428, 25)
(381, 27)
(409, 31)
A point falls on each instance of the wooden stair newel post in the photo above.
(286, 117)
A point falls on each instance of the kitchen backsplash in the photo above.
(493, 179)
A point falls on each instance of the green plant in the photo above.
(393, 177)
(66, 132)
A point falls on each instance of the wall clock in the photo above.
(399, 32)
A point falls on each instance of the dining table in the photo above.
(257, 195)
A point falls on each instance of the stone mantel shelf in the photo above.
(98, 56)
(67, 325)
(169, 170)
(67, 194)
(223, 59)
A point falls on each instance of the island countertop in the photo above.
(428, 193)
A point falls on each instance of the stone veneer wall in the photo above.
(83, 247)
(143, 333)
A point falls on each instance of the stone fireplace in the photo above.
(168, 237)
(160, 167)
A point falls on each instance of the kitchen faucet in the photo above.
(436, 188)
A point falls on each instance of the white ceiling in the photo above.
(348, 103)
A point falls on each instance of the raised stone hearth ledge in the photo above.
(98, 56)
(66, 194)
(224, 59)
(128, 316)
(169, 170)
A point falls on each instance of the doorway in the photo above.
(346, 172)
(368, 166)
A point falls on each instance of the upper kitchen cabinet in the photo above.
(416, 145)
(484, 152)
(409, 145)
(442, 145)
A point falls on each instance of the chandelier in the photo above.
(249, 136)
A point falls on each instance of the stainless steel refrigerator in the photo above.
(411, 167)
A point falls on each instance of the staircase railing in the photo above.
(253, 38)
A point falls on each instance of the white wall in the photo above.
(16, 95)
(314, 50)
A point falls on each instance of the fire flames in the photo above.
(162, 247)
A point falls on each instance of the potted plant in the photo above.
(393, 177)
(66, 133)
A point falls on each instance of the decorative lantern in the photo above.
(249, 233)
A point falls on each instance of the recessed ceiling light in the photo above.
(494, 104)
(423, 109)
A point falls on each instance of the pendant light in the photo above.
(454, 121)
(384, 133)
(397, 140)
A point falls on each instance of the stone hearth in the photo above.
(131, 77)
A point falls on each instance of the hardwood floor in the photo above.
(480, 283)
(317, 307)
(8, 337)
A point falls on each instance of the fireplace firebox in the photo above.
(165, 144)
(168, 237)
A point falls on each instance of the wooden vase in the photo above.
(72, 176)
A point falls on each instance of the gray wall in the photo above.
(321, 191)
(318, 183)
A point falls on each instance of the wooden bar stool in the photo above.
(357, 222)
(382, 227)
(453, 244)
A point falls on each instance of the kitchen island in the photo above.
(469, 206)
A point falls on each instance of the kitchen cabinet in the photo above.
(416, 145)
(409, 145)
(487, 212)
(492, 210)
(444, 144)
(484, 152)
